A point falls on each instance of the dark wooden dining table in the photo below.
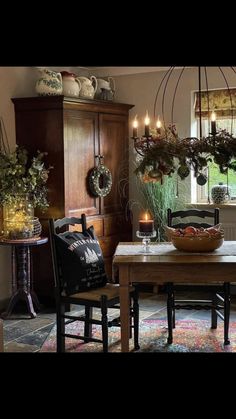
(166, 264)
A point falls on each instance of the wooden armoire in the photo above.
(73, 132)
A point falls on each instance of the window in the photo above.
(225, 109)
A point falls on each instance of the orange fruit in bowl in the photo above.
(190, 230)
(203, 234)
(212, 230)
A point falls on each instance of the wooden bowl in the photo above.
(197, 244)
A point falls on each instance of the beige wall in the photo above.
(14, 82)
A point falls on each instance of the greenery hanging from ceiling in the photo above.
(168, 153)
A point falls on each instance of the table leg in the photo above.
(170, 311)
(13, 265)
(23, 282)
(19, 295)
(28, 269)
(124, 306)
(32, 292)
(35, 299)
(226, 312)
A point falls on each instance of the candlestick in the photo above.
(146, 239)
(135, 127)
(146, 122)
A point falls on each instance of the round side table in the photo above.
(22, 283)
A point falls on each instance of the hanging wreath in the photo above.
(95, 181)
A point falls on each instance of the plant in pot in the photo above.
(22, 188)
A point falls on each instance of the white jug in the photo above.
(88, 87)
(106, 88)
(49, 83)
(71, 85)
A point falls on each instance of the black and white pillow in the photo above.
(81, 261)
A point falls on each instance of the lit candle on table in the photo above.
(146, 225)
(213, 123)
(158, 125)
(146, 122)
(135, 127)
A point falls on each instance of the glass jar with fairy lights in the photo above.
(22, 188)
(18, 218)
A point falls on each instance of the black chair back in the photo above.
(217, 302)
(104, 297)
(213, 215)
(55, 227)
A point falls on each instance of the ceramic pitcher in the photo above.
(88, 87)
(71, 85)
(49, 83)
(105, 89)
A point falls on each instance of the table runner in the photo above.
(227, 249)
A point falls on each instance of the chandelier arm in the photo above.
(232, 112)
(137, 151)
(4, 144)
(175, 91)
(200, 100)
(177, 186)
(208, 101)
(159, 88)
(138, 148)
(228, 181)
(208, 186)
(231, 102)
(163, 97)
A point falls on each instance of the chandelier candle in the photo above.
(213, 123)
(135, 127)
(146, 122)
(146, 226)
(158, 126)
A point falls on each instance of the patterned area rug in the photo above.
(188, 336)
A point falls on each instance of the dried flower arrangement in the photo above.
(20, 176)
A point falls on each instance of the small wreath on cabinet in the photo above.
(94, 181)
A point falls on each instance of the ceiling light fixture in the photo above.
(162, 151)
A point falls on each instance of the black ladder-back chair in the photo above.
(218, 301)
(103, 298)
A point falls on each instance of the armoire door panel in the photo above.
(80, 148)
(114, 147)
(43, 130)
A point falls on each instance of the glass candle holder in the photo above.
(146, 238)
